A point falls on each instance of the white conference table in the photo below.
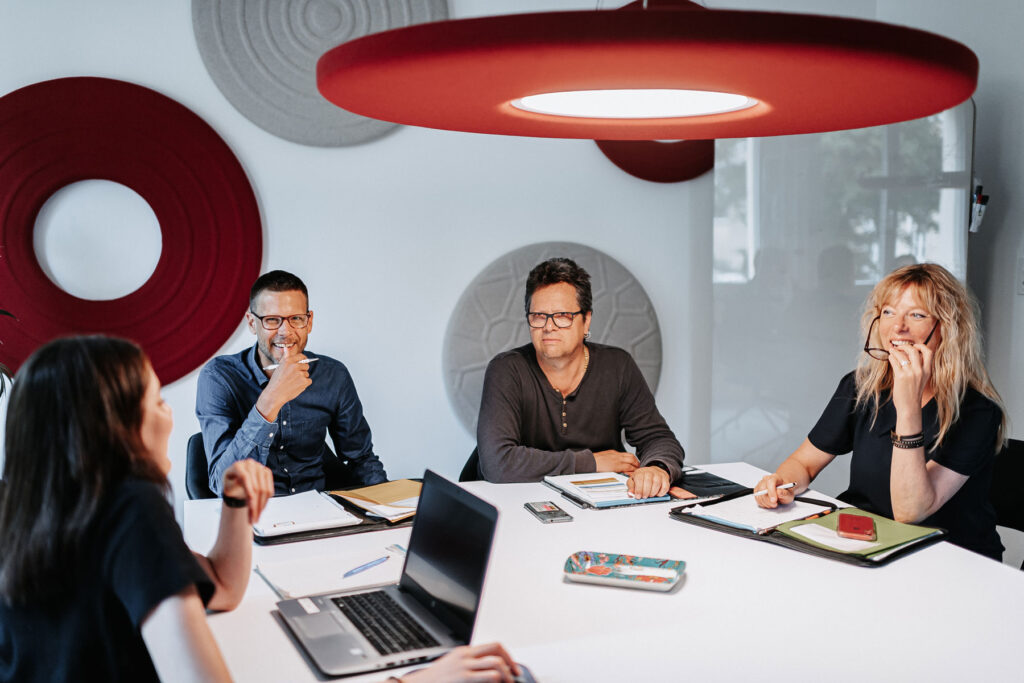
(745, 610)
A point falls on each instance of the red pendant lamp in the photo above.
(663, 72)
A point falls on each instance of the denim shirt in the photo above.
(293, 445)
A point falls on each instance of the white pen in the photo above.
(777, 488)
(275, 366)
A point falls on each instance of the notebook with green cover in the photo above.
(813, 533)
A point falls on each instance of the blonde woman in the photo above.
(919, 414)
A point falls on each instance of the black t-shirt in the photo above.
(968, 448)
(134, 557)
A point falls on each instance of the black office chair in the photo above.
(197, 470)
(1007, 494)
(471, 470)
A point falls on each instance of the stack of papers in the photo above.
(392, 500)
(307, 511)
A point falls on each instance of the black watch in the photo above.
(233, 502)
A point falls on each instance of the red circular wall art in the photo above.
(58, 132)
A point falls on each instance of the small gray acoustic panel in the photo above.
(490, 318)
(262, 54)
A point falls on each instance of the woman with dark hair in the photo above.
(95, 579)
(96, 582)
(919, 413)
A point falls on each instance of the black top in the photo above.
(134, 557)
(969, 448)
(527, 431)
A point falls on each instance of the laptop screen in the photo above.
(449, 548)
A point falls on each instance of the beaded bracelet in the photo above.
(913, 441)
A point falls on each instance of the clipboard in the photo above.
(366, 524)
(895, 539)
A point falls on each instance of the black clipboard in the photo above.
(366, 524)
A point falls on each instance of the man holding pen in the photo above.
(274, 403)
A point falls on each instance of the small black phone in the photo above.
(548, 512)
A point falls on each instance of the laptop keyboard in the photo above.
(384, 622)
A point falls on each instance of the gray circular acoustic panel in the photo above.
(262, 55)
(490, 318)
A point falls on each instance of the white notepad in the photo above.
(307, 511)
(326, 573)
(745, 513)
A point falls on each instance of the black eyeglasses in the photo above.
(273, 322)
(882, 354)
(561, 319)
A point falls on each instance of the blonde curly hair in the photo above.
(957, 362)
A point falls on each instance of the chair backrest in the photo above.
(471, 470)
(197, 469)
(1007, 494)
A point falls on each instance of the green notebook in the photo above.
(891, 536)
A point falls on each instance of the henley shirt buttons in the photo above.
(284, 422)
(293, 490)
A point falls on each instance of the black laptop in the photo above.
(428, 612)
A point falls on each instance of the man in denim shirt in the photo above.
(273, 402)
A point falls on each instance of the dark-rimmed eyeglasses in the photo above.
(273, 322)
(561, 319)
(883, 354)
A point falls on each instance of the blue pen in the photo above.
(363, 567)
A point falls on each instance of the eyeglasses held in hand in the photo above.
(883, 354)
(273, 322)
(561, 319)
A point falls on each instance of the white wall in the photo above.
(387, 234)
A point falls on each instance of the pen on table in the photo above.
(275, 366)
(364, 567)
(777, 488)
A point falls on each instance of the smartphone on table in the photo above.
(860, 527)
(548, 512)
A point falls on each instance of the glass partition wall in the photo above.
(804, 226)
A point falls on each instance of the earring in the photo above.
(586, 335)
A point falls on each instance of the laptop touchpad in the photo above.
(318, 626)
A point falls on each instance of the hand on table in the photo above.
(615, 461)
(489, 662)
(648, 482)
(252, 482)
(774, 497)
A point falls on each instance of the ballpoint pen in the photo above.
(275, 366)
(364, 567)
(777, 488)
